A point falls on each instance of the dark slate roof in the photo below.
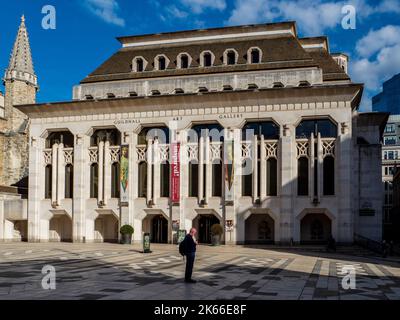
(278, 52)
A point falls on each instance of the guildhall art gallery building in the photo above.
(251, 127)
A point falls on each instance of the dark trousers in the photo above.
(189, 265)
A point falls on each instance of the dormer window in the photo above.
(155, 93)
(227, 87)
(110, 95)
(133, 94)
(139, 64)
(230, 57)
(206, 59)
(252, 86)
(255, 55)
(179, 91)
(203, 89)
(161, 62)
(184, 61)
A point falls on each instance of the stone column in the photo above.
(60, 174)
(311, 175)
(107, 173)
(263, 169)
(232, 212)
(255, 167)
(157, 164)
(209, 177)
(81, 186)
(149, 170)
(1, 220)
(36, 187)
(287, 158)
(101, 173)
(54, 174)
(320, 166)
(201, 169)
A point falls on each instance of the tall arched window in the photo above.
(142, 180)
(64, 137)
(193, 179)
(115, 180)
(329, 176)
(69, 181)
(94, 180)
(48, 182)
(302, 176)
(165, 179)
(217, 179)
(272, 177)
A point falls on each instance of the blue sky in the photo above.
(86, 29)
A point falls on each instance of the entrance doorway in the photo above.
(259, 229)
(315, 228)
(203, 224)
(159, 230)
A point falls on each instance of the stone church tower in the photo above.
(21, 86)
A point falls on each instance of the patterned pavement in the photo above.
(111, 271)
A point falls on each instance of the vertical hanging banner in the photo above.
(124, 174)
(175, 173)
(229, 170)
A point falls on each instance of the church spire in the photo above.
(21, 65)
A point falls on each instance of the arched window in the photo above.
(325, 127)
(69, 181)
(214, 131)
(142, 180)
(193, 179)
(113, 136)
(217, 179)
(269, 129)
(165, 180)
(231, 57)
(255, 56)
(272, 177)
(247, 178)
(329, 176)
(160, 133)
(207, 62)
(115, 180)
(302, 176)
(48, 182)
(94, 180)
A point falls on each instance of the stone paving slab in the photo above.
(112, 271)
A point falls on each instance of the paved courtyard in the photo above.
(112, 271)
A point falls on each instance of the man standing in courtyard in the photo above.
(190, 244)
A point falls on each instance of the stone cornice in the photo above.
(284, 99)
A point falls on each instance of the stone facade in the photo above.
(287, 195)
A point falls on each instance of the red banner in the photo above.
(175, 173)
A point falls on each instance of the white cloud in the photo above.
(107, 10)
(174, 12)
(199, 6)
(378, 57)
(312, 16)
